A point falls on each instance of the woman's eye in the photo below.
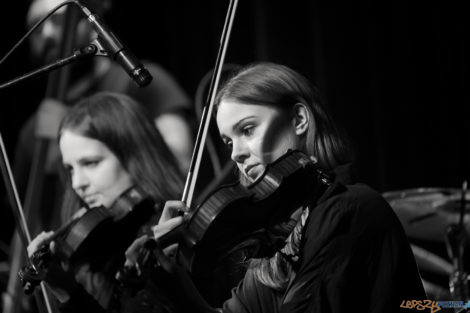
(229, 144)
(69, 169)
(247, 130)
(91, 163)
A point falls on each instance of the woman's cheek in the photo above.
(257, 147)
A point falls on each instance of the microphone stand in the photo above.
(16, 204)
(78, 54)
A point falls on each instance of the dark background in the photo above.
(393, 74)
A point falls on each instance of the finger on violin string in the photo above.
(164, 261)
(171, 250)
(172, 209)
(38, 241)
(53, 247)
(132, 253)
(164, 227)
(129, 268)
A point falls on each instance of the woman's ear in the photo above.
(300, 119)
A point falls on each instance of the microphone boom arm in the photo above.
(78, 54)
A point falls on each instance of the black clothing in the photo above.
(354, 255)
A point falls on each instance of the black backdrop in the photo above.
(393, 74)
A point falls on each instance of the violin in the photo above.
(238, 218)
(92, 236)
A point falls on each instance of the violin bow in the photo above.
(202, 133)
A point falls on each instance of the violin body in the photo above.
(238, 217)
(70, 244)
(92, 237)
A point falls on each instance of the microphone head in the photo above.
(136, 70)
(141, 76)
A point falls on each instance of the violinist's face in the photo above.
(98, 177)
(259, 134)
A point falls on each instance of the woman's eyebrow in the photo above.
(237, 124)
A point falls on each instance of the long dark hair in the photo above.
(279, 86)
(126, 129)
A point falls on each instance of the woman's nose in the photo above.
(240, 151)
(79, 180)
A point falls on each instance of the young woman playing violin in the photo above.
(109, 146)
(346, 252)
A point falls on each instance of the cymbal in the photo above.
(427, 261)
(425, 213)
(436, 292)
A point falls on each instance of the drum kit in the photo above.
(435, 221)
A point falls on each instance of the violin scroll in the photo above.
(32, 275)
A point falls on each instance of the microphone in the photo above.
(117, 50)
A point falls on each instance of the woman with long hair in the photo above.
(109, 149)
(344, 247)
(122, 125)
